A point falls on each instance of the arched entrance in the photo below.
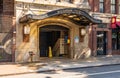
(46, 29)
(56, 37)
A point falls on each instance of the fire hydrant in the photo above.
(31, 55)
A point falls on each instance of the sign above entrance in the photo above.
(75, 11)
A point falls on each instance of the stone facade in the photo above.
(37, 7)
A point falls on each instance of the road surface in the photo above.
(112, 71)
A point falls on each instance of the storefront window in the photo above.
(116, 39)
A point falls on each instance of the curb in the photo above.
(15, 74)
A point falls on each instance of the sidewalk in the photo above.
(54, 64)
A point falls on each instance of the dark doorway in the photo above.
(50, 36)
(47, 39)
(101, 43)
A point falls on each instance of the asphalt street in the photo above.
(112, 71)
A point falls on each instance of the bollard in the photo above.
(50, 52)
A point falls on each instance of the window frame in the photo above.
(101, 3)
(113, 6)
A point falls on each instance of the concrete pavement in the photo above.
(54, 64)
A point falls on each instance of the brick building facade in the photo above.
(109, 9)
(6, 29)
(19, 37)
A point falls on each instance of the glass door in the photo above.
(101, 43)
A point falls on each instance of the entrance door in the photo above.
(54, 37)
(101, 43)
(43, 44)
(47, 39)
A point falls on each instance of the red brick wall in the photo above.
(94, 4)
(8, 7)
(6, 23)
(117, 6)
(6, 15)
(107, 6)
(91, 4)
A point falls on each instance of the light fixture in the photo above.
(27, 29)
(83, 32)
